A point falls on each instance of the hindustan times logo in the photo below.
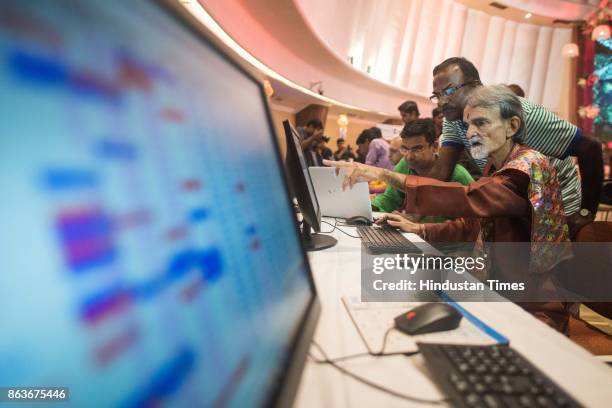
(411, 263)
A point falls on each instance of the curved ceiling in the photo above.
(278, 36)
(570, 10)
(394, 44)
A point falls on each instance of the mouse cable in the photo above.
(336, 228)
(333, 229)
(380, 353)
(342, 222)
(373, 384)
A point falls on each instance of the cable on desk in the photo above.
(384, 345)
(333, 229)
(336, 228)
(380, 353)
(342, 222)
(373, 384)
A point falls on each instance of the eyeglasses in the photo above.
(448, 91)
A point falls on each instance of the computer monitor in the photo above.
(302, 188)
(142, 263)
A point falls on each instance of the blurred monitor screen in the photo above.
(148, 252)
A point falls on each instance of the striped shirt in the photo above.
(545, 132)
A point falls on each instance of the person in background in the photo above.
(359, 157)
(363, 145)
(419, 151)
(325, 152)
(375, 148)
(409, 111)
(456, 78)
(344, 152)
(319, 152)
(313, 155)
(518, 91)
(395, 154)
(310, 136)
(438, 117)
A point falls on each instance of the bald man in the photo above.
(395, 155)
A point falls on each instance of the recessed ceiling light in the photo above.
(528, 15)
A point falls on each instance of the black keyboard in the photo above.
(379, 240)
(491, 377)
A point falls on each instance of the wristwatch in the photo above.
(584, 212)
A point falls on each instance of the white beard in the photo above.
(479, 152)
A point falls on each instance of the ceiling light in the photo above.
(528, 15)
(601, 32)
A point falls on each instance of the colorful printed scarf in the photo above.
(550, 243)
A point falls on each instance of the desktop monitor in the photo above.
(303, 189)
(142, 263)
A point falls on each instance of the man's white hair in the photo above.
(498, 97)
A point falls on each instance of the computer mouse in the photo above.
(428, 318)
(358, 220)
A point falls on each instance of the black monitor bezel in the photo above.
(300, 180)
(288, 379)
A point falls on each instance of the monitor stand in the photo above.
(316, 242)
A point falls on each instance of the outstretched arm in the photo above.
(356, 171)
(500, 196)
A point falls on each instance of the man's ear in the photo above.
(435, 147)
(515, 125)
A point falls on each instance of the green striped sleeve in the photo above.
(569, 182)
(546, 132)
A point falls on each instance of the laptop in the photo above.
(337, 203)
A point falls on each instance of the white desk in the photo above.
(337, 273)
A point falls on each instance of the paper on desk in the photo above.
(373, 319)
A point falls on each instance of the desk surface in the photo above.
(337, 273)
